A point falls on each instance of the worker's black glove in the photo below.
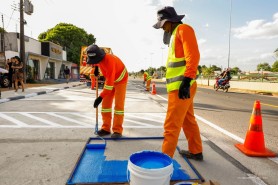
(143, 82)
(96, 72)
(97, 101)
(184, 90)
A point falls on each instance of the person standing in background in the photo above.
(67, 73)
(148, 79)
(18, 73)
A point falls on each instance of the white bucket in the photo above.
(150, 168)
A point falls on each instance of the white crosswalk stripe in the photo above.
(75, 120)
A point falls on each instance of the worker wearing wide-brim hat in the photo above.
(116, 76)
(182, 69)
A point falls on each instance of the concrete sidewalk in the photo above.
(10, 95)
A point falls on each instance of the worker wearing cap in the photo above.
(182, 69)
(116, 76)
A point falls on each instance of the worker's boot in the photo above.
(116, 135)
(189, 155)
(102, 132)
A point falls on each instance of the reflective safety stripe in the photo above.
(176, 64)
(121, 76)
(177, 79)
(120, 112)
(106, 110)
(108, 87)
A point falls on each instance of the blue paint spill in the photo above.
(92, 168)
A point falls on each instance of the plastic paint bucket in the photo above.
(150, 167)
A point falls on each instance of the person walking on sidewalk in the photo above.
(18, 73)
(67, 74)
(182, 69)
(116, 76)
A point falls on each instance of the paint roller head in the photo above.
(100, 143)
(96, 146)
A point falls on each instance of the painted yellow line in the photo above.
(269, 105)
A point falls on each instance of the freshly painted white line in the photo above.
(15, 121)
(40, 119)
(144, 118)
(139, 123)
(82, 115)
(274, 159)
(220, 129)
(255, 179)
(68, 119)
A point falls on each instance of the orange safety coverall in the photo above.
(148, 81)
(93, 79)
(180, 112)
(116, 76)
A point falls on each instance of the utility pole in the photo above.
(230, 35)
(3, 39)
(22, 40)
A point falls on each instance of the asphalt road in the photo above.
(232, 111)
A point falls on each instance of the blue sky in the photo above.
(126, 27)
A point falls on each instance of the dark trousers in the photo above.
(10, 78)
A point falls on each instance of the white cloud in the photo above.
(258, 29)
(201, 42)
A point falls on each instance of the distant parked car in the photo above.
(4, 81)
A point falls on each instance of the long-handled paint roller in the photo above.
(96, 127)
(97, 145)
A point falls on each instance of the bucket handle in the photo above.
(128, 175)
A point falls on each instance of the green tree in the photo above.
(70, 37)
(275, 67)
(215, 68)
(264, 66)
(235, 70)
(1, 30)
(207, 72)
(276, 52)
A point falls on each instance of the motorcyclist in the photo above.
(226, 75)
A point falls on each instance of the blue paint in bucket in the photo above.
(150, 167)
(150, 159)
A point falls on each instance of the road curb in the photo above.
(35, 94)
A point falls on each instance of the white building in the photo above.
(44, 60)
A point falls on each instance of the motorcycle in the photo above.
(225, 85)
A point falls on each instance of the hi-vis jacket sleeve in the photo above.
(188, 41)
(109, 80)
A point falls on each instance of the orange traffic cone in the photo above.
(254, 141)
(153, 89)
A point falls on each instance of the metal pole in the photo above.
(22, 41)
(3, 39)
(162, 62)
(230, 34)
